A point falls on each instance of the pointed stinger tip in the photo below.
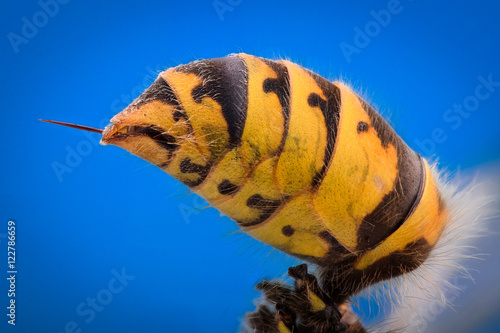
(80, 127)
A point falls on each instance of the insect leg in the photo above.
(303, 308)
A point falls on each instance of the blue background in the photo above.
(193, 272)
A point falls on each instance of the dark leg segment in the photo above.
(303, 308)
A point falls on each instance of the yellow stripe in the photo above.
(303, 153)
(208, 123)
(264, 125)
(297, 213)
(362, 172)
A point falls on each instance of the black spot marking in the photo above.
(331, 113)
(187, 166)
(257, 201)
(225, 81)
(385, 132)
(362, 127)
(226, 187)
(314, 100)
(395, 207)
(266, 206)
(288, 230)
(281, 87)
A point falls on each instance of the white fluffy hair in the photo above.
(418, 297)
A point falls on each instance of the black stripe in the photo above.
(399, 262)
(187, 166)
(226, 187)
(281, 87)
(167, 141)
(266, 206)
(225, 81)
(395, 207)
(340, 280)
(160, 90)
(335, 247)
(331, 112)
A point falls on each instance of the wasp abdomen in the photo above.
(307, 166)
(299, 162)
